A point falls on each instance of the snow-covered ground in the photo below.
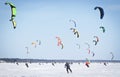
(48, 70)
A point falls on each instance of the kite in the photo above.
(88, 45)
(75, 32)
(101, 11)
(62, 46)
(88, 48)
(13, 10)
(103, 28)
(97, 40)
(60, 42)
(14, 24)
(88, 51)
(27, 50)
(112, 55)
(93, 54)
(78, 45)
(73, 22)
(34, 43)
(39, 42)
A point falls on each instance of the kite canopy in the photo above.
(34, 44)
(103, 28)
(27, 50)
(59, 42)
(73, 22)
(75, 32)
(101, 11)
(38, 42)
(78, 45)
(112, 55)
(96, 40)
(88, 45)
(14, 24)
(13, 10)
(13, 13)
(93, 54)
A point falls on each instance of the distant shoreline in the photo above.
(13, 60)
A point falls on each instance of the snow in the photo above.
(48, 70)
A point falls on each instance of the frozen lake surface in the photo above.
(48, 70)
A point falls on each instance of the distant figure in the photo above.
(67, 66)
(17, 63)
(87, 64)
(26, 65)
(30, 62)
(105, 64)
(53, 64)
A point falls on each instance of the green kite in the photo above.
(13, 10)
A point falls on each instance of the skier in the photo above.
(67, 66)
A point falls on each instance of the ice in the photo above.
(48, 70)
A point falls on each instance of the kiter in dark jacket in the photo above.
(67, 66)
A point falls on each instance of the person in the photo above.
(67, 66)
(17, 63)
(26, 65)
(105, 64)
(87, 64)
(53, 64)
